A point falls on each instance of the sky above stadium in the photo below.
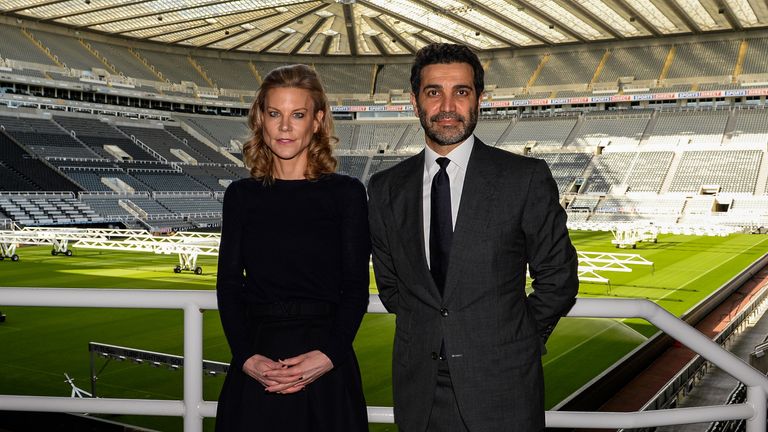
(389, 27)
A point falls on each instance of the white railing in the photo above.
(193, 408)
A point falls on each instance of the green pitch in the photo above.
(41, 344)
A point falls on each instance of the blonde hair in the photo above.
(257, 155)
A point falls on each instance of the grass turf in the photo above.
(51, 341)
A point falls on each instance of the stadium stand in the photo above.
(220, 131)
(750, 127)
(393, 77)
(122, 59)
(717, 168)
(68, 50)
(499, 67)
(689, 127)
(346, 78)
(640, 63)
(44, 138)
(352, 165)
(379, 136)
(609, 170)
(538, 131)
(16, 45)
(174, 67)
(565, 167)
(207, 153)
(380, 163)
(756, 58)
(648, 171)
(715, 58)
(490, 131)
(230, 74)
(575, 67)
(638, 153)
(103, 138)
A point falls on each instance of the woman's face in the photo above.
(289, 123)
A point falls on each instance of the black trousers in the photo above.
(445, 415)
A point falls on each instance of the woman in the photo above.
(293, 270)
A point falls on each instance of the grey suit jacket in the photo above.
(509, 216)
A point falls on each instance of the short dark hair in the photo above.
(445, 53)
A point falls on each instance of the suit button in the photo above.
(444, 312)
(434, 356)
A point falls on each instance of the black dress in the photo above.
(293, 277)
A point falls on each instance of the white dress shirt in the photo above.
(457, 169)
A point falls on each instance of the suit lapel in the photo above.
(407, 198)
(477, 198)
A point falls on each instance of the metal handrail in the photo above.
(193, 408)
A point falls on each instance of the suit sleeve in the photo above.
(355, 280)
(230, 279)
(552, 258)
(383, 267)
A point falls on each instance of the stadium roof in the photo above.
(389, 27)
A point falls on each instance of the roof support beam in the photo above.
(639, 18)
(595, 19)
(413, 22)
(394, 35)
(160, 13)
(683, 16)
(96, 9)
(349, 22)
(467, 23)
(30, 7)
(278, 26)
(537, 13)
(517, 27)
(310, 33)
(327, 45)
(731, 17)
(278, 40)
(380, 45)
(222, 29)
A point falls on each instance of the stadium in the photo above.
(122, 124)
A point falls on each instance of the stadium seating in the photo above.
(174, 67)
(499, 68)
(698, 168)
(714, 58)
(232, 74)
(122, 59)
(609, 129)
(572, 67)
(689, 128)
(642, 63)
(756, 59)
(69, 51)
(393, 77)
(751, 127)
(18, 47)
(544, 131)
(609, 170)
(219, 130)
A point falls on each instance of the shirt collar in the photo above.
(459, 155)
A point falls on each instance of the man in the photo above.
(453, 229)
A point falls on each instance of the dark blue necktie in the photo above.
(441, 225)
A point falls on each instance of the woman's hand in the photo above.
(298, 372)
(257, 367)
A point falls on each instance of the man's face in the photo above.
(447, 105)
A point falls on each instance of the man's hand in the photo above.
(298, 372)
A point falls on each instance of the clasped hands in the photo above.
(288, 375)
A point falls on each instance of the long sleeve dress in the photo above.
(293, 277)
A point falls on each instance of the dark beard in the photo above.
(444, 139)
